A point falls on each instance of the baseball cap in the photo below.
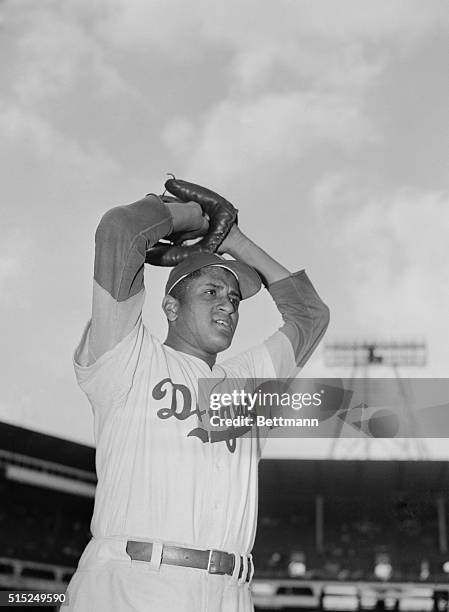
(247, 278)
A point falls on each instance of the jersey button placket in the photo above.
(217, 485)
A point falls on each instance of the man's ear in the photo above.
(170, 306)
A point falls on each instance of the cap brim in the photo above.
(248, 279)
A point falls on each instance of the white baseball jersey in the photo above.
(164, 475)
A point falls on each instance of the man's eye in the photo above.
(211, 291)
(235, 302)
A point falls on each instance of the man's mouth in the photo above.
(224, 324)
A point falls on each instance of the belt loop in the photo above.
(209, 561)
(237, 566)
(242, 579)
(156, 556)
(251, 570)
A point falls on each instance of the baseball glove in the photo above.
(221, 213)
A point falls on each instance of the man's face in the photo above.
(208, 313)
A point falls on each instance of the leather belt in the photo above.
(214, 561)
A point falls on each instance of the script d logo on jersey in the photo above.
(181, 408)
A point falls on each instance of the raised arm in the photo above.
(123, 236)
(305, 315)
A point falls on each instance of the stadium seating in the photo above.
(48, 528)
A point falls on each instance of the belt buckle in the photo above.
(213, 564)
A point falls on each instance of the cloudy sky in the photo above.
(324, 122)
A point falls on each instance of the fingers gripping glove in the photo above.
(221, 213)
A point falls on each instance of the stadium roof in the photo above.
(49, 448)
(284, 482)
(288, 479)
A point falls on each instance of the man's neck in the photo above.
(180, 345)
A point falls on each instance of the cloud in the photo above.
(391, 255)
(179, 32)
(290, 65)
(57, 43)
(297, 64)
(299, 77)
(238, 137)
(25, 130)
(179, 135)
(57, 50)
(10, 268)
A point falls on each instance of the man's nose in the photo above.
(226, 305)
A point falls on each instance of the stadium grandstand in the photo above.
(332, 534)
(47, 488)
(357, 527)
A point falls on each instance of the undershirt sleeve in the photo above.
(107, 356)
(305, 317)
(123, 236)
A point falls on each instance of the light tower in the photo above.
(361, 358)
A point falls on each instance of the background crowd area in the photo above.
(318, 519)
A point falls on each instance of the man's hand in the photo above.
(239, 246)
(188, 220)
(232, 243)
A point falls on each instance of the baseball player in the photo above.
(176, 502)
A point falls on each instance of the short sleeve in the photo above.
(109, 379)
(254, 363)
(282, 355)
(269, 361)
(273, 358)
